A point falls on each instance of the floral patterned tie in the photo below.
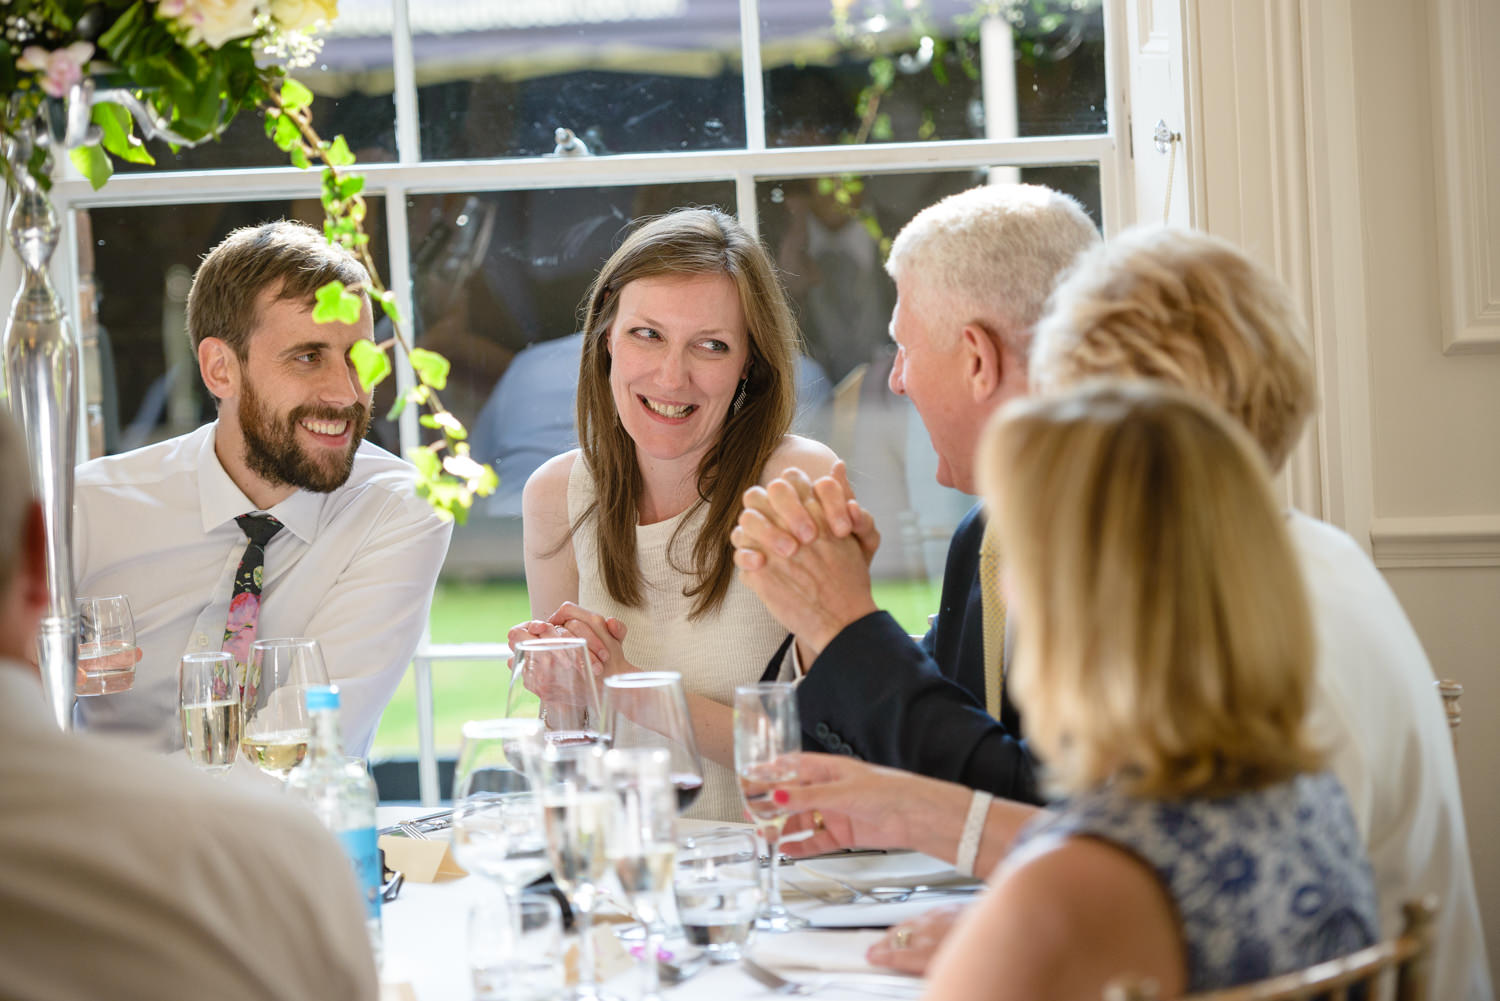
(244, 604)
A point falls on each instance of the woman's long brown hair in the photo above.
(685, 242)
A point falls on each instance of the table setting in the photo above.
(563, 869)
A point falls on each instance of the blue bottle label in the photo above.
(360, 845)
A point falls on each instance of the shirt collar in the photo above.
(221, 501)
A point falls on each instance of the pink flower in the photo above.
(243, 611)
(60, 69)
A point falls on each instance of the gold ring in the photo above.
(902, 938)
(817, 818)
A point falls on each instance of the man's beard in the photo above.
(272, 451)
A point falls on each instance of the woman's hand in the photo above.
(848, 803)
(910, 946)
(542, 677)
(605, 636)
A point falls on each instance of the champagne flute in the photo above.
(641, 844)
(497, 830)
(210, 710)
(576, 809)
(106, 646)
(560, 672)
(767, 751)
(276, 725)
(649, 709)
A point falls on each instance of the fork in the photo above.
(796, 988)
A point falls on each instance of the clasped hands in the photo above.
(804, 547)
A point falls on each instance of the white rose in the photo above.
(303, 15)
(218, 21)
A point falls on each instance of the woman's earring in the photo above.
(739, 398)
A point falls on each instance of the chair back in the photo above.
(1404, 957)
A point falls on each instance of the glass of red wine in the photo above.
(649, 709)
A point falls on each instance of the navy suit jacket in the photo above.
(876, 693)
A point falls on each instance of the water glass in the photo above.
(649, 710)
(497, 819)
(559, 671)
(106, 646)
(276, 726)
(576, 809)
(516, 954)
(209, 704)
(717, 881)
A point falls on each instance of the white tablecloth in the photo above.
(425, 941)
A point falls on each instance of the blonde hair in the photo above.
(1190, 309)
(685, 242)
(991, 254)
(1166, 640)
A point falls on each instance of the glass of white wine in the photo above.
(767, 753)
(576, 810)
(276, 726)
(558, 671)
(642, 843)
(210, 710)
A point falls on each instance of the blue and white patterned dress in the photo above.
(1264, 882)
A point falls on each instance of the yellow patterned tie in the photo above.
(993, 604)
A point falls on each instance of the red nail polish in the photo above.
(781, 797)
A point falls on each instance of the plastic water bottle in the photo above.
(342, 795)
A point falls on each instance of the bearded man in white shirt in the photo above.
(128, 876)
(352, 555)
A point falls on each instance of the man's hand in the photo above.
(786, 513)
(910, 945)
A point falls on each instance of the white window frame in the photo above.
(410, 175)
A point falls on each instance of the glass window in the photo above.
(628, 76)
(920, 70)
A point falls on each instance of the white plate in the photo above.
(890, 869)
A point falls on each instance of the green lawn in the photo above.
(481, 613)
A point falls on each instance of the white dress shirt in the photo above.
(1377, 712)
(126, 876)
(354, 569)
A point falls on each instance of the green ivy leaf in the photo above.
(431, 367)
(294, 96)
(351, 185)
(370, 363)
(425, 458)
(117, 126)
(338, 154)
(286, 135)
(299, 158)
(427, 421)
(388, 304)
(337, 304)
(93, 163)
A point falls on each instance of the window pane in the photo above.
(915, 70)
(352, 81)
(830, 236)
(628, 76)
(142, 260)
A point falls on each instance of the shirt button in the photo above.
(821, 731)
(202, 642)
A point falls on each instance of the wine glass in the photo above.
(641, 843)
(767, 751)
(210, 710)
(649, 709)
(276, 726)
(560, 672)
(106, 646)
(576, 810)
(497, 828)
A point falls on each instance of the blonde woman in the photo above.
(1165, 677)
(685, 394)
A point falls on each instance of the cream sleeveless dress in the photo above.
(728, 647)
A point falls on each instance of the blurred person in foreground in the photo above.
(972, 275)
(128, 876)
(276, 519)
(1191, 310)
(686, 391)
(1165, 675)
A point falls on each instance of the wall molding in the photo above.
(1441, 541)
(1468, 182)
